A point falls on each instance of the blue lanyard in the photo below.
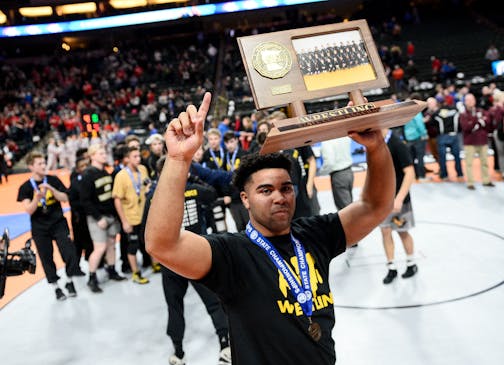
(138, 184)
(216, 161)
(231, 161)
(302, 294)
(36, 188)
(387, 137)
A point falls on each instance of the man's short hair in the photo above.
(214, 131)
(32, 155)
(255, 162)
(95, 148)
(131, 137)
(229, 135)
(154, 137)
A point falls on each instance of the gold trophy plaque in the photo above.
(293, 66)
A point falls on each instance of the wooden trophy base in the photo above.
(308, 129)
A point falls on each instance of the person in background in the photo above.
(416, 137)
(401, 218)
(475, 123)
(41, 196)
(96, 198)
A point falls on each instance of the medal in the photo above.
(44, 209)
(314, 330)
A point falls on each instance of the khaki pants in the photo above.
(482, 151)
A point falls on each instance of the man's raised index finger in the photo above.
(205, 105)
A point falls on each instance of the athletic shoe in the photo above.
(113, 275)
(60, 295)
(174, 360)
(79, 272)
(225, 356)
(156, 267)
(471, 187)
(93, 285)
(138, 278)
(489, 184)
(71, 289)
(391, 275)
(410, 271)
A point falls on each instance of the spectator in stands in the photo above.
(475, 123)
(492, 54)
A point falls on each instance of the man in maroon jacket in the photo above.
(475, 124)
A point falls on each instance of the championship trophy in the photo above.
(293, 66)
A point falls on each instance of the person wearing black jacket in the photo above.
(96, 198)
(197, 195)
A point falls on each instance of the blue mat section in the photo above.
(18, 223)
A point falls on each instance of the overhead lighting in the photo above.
(3, 18)
(158, 2)
(126, 4)
(65, 46)
(35, 12)
(80, 8)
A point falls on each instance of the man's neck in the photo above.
(37, 177)
(97, 164)
(132, 167)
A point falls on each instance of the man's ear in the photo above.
(244, 199)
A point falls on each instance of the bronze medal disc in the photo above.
(314, 331)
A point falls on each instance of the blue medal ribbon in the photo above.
(216, 161)
(301, 291)
(36, 188)
(231, 161)
(387, 137)
(136, 184)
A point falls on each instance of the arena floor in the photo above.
(449, 313)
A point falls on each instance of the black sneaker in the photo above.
(79, 272)
(59, 294)
(113, 275)
(71, 289)
(93, 285)
(391, 275)
(410, 271)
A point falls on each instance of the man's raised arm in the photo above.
(377, 198)
(184, 252)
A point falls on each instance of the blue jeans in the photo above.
(445, 140)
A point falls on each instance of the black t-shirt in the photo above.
(402, 158)
(96, 193)
(267, 325)
(41, 220)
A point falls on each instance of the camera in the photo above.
(15, 263)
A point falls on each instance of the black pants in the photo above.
(44, 243)
(175, 287)
(82, 238)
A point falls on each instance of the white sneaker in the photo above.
(174, 360)
(225, 356)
